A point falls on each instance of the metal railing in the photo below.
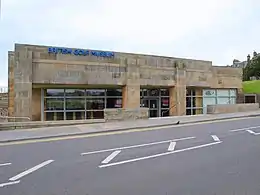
(168, 110)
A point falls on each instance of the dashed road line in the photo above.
(158, 155)
(136, 146)
(244, 129)
(111, 156)
(172, 146)
(20, 175)
(5, 164)
(215, 138)
(9, 183)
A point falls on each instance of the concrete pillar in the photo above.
(23, 82)
(11, 62)
(178, 93)
(131, 91)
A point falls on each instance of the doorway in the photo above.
(153, 105)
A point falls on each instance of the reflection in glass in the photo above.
(114, 92)
(54, 103)
(74, 92)
(95, 114)
(55, 92)
(95, 104)
(165, 92)
(114, 103)
(165, 103)
(95, 92)
(165, 113)
(75, 104)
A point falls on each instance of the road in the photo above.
(218, 158)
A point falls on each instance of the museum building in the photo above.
(57, 83)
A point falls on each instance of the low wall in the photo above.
(122, 114)
(231, 108)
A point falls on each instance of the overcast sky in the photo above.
(216, 30)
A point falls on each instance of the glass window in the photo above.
(59, 116)
(55, 92)
(153, 92)
(49, 116)
(223, 100)
(188, 111)
(145, 92)
(198, 111)
(165, 92)
(95, 92)
(209, 93)
(75, 115)
(54, 104)
(165, 102)
(223, 93)
(165, 113)
(114, 92)
(232, 100)
(114, 103)
(193, 101)
(74, 92)
(233, 92)
(95, 114)
(75, 104)
(95, 104)
(190, 92)
(188, 102)
(144, 103)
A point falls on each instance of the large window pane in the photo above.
(223, 100)
(95, 114)
(209, 93)
(114, 92)
(165, 102)
(59, 116)
(75, 115)
(74, 92)
(114, 103)
(223, 92)
(95, 104)
(95, 92)
(190, 92)
(153, 92)
(232, 100)
(49, 116)
(233, 92)
(54, 104)
(188, 102)
(54, 92)
(75, 104)
(165, 92)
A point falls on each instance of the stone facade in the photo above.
(32, 67)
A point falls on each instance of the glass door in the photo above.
(153, 108)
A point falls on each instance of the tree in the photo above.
(253, 67)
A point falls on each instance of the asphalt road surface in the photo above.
(220, 158)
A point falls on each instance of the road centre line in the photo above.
(158, 155)
(9, 183)
(111, 156)
(5, 164)
(215, 138)
(244, 129)
(252, 132)
(137, 146)
(20, 175)
(172, 146)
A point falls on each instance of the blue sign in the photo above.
(80, 52)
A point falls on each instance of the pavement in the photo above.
(78, 130)
(211, 158)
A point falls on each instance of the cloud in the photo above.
(216, 30)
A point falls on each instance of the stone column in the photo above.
(178, 93)
(131, 92)
(11, 62)
(23, 82)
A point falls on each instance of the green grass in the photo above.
(251, 86)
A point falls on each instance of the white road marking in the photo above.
(136, 146)
(158, 155)
(9, 183)
(111, 156)
(31, 170)
(215, 138)
(244, 129)
(250, 131)
(5, 164)
(172, 146)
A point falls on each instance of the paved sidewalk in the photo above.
(48, 132)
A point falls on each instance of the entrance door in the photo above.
(153, 108)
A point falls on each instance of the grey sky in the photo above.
(216, 30)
